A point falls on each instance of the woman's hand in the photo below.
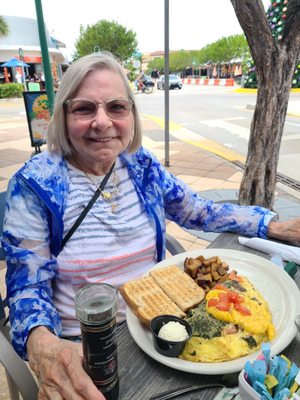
(288, 231)
(58, 366)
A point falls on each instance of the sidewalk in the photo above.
(214, 177)
(203, 171)
(293, 109)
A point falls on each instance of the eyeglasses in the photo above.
(87, 109)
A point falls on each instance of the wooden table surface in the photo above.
(142, 377)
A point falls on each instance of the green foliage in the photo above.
(226, 49)
(156, 63)
(132, 71)
(8, 90)
(222, 51)
(3, 27)
(179, 60)
(106, 36)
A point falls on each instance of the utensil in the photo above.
(297, 323)
(228, 380)
(169, 394)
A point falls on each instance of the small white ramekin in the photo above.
(246, 391)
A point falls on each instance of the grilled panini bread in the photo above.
(147, 300)
(179, 286)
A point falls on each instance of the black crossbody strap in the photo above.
(87, 208)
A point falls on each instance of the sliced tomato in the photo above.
(234, 277)
(212, 302)
(219, 286)
(234, 297)
(242, 309)
(223, 296)
(226, 298)
(240, 299)
(223, 305)
(220, 304)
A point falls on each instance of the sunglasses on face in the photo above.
(87, 109)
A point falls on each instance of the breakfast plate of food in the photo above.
(233, 300)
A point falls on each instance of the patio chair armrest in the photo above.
(17, 369)
(173, 246)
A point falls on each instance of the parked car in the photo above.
(174, 82)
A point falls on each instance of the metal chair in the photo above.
(173, 246)
(19, 378)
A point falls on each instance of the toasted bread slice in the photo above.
(179, 286)
(147, 299)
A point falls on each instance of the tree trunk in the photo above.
(259, 179)
(275, 64)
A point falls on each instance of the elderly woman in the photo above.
(94, 139)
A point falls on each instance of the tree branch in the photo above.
(291, 30)
(254, 22)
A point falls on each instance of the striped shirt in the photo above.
(113, 244)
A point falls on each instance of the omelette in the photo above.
(232, 321)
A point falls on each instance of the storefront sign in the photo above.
(33, 60)
(38, 116)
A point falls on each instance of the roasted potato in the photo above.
(207, 272)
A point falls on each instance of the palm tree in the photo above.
(3, 27)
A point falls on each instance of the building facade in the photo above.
(22, 42)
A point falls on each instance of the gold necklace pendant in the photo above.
(113, 208)
(106, 195)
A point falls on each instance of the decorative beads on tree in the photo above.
(277, 14)
(296, 77)
(250, 79)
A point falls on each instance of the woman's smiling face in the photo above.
(97, 141)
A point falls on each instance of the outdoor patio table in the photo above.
(142, 377)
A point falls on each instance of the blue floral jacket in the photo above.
(41, 187)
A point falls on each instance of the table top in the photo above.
(142, 377)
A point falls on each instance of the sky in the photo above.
(192, 24)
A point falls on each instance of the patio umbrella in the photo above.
(13, 63)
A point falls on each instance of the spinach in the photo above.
(203, 324)
(234, 285)
(250, 341)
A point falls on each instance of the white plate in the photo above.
(277, 287)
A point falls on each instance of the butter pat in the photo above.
(173, 331)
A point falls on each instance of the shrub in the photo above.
(8, 90)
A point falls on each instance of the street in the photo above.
(224, 117)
